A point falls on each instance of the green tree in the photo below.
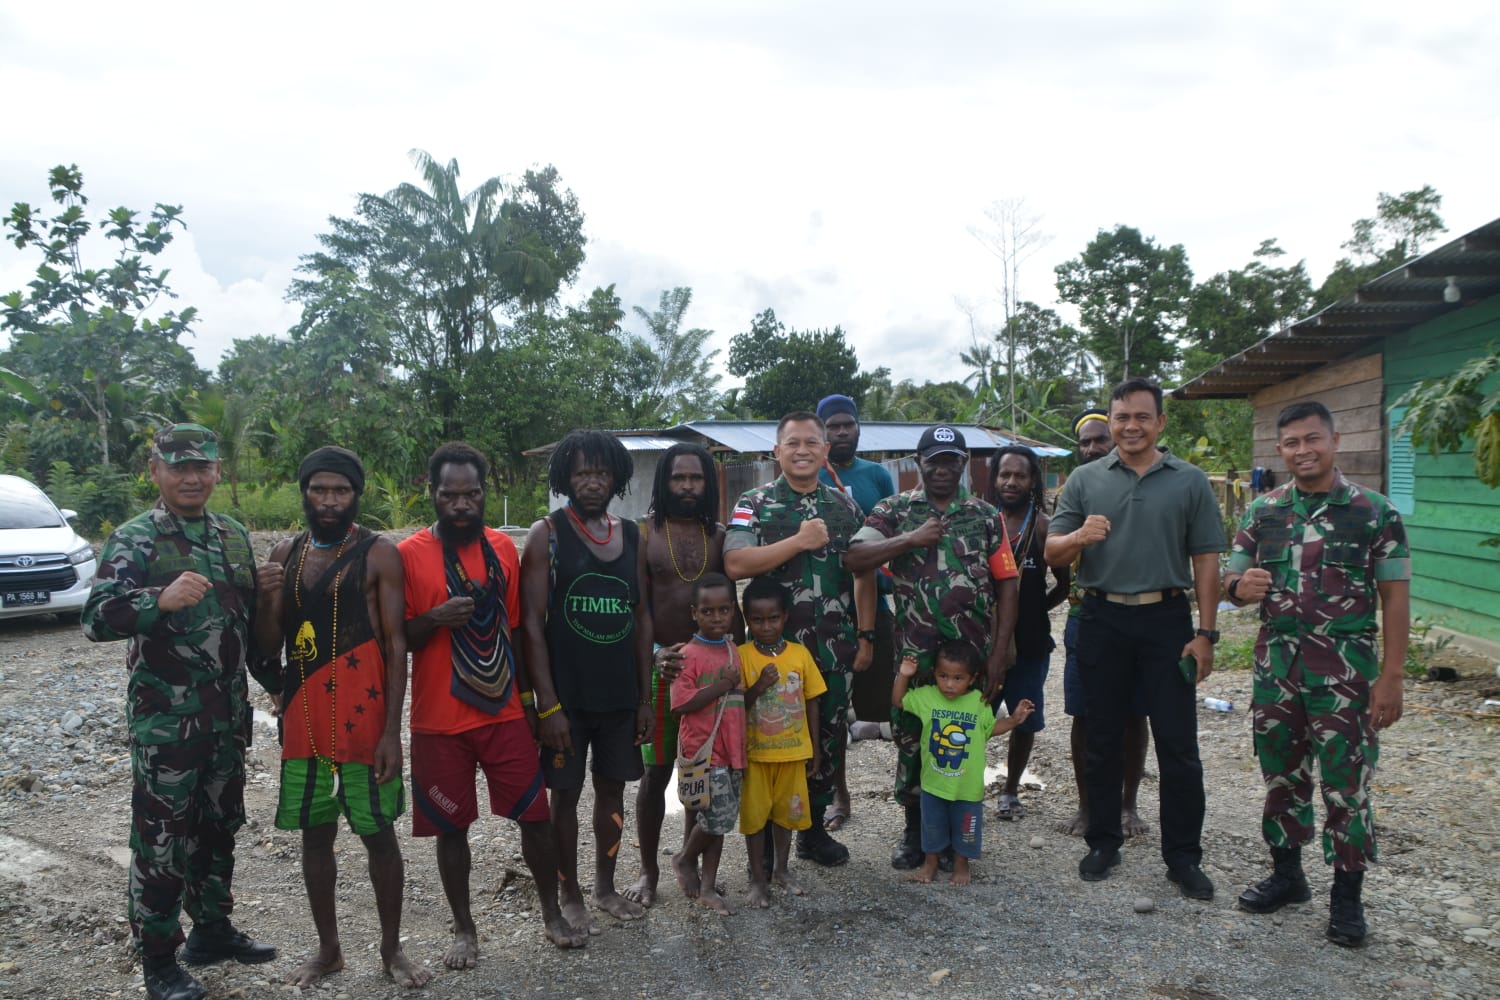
(1442, 412)
(672, 379)
(1234, 309)
(1132, 296)
(446, 267)
(92, 338)
(1402, 225)
(786, 370)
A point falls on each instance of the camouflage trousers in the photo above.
(833, 735)
(186, 804)
(906, 733)
(1297, 723)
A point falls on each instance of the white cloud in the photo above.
(824, 160)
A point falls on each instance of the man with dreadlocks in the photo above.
(588, 647)
(472, 696)
(1016, 488)
(334, 596)
(681, 541)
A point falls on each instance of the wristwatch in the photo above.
(1230, 590)
(1211, 634)
(868, 634)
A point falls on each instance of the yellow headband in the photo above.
(1078, 427)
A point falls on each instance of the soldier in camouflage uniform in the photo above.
(955, 578)
(179, 583)
(796, 531)
(1314, 554)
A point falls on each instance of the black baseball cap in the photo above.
(941, 439)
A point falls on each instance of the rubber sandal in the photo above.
(1009, 807)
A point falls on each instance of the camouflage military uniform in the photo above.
(187, 708)
(942, 592)
(1315, 657)
(822, 616)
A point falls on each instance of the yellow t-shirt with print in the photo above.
(776, 725)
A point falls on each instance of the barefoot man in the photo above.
(681, 541)
(470, 696)
(588, 647)
(334, 597)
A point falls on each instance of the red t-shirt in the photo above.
(702, 665)
(433, 707)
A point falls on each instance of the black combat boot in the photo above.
(907, 854)
(220, 941)
(814, 844)
(1286, 884)
(166, 980)
(1346, 914)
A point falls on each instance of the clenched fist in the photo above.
(1253, 586)
(183, 592)
(812, 534)
(1095, 529)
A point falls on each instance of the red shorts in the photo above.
(442, 777)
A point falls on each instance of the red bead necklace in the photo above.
(585, 528)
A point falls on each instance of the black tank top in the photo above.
(591, 620)
(1033, 629)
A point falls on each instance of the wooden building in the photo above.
(1358, 356)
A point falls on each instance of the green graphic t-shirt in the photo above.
(953, 737)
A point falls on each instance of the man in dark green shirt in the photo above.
(1147, 528)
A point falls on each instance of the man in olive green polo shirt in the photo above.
(1147, 527)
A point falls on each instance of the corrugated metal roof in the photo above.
(646, 442)
(1392, 303)
(754, 437)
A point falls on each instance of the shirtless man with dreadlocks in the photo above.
(681, 541)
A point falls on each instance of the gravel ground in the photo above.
(1028, 927)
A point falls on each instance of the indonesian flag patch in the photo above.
(742, 517)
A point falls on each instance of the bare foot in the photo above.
(925, 874)
(687, 876)
(1075, 827)
(838, 813)
(960, 871)
(760, 896)
(786, 882)
(618, 906)
(324, 962)
(713, 901)
(577, 915)
(1132, 824)
(643, 892)
(463, 953)
(405, 974)
(564, 934)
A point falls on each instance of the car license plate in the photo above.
(26, 598)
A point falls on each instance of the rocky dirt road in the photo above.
(1027, 928)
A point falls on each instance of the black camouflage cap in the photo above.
(185, 443)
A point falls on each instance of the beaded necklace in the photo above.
(775, 650)
(703, 536)
(585, 528)
(333, 674)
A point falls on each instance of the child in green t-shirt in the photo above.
(956, 722)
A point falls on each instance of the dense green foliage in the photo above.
(435, 311)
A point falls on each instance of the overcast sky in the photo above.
(825, 160)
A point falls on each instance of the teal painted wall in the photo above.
(1455, 582)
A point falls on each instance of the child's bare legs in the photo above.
(960, 870)
(928, 871)
(685, 861)
(708, 892)
(760, 889)
(783, 841)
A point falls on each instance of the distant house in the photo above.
(1358, 356)
(742, 449)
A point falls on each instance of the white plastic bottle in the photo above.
(1218, 704)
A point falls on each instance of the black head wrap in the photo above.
(331, 458)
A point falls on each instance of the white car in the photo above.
(45, 567)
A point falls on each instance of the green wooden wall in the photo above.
(1455, 582)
